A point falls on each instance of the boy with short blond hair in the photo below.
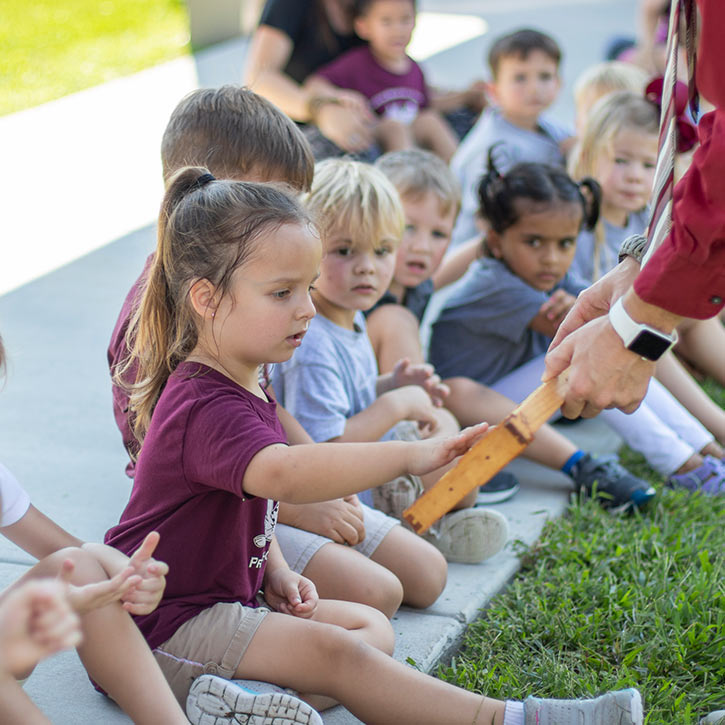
(332, 386)
(524, 83)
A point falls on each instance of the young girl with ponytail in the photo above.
(229, 291)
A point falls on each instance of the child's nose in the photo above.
(307, 309)
(365, 264)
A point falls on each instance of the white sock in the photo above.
(514, 713)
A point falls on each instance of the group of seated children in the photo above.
(279, 413)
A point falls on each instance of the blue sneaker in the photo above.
(213, 700)
(621, 490)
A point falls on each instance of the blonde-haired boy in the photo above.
(332, 386)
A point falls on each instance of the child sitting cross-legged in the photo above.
(332, 386)
(228, 292)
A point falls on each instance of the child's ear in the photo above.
(493, 244)
(203, 297)
(360, 26)
(491, 95)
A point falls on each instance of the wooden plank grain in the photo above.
(487, 457)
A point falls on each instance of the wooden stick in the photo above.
(498, 447)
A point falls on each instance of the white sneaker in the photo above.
(213, 700)
(714, 718)
(470, 535)
(623, 707)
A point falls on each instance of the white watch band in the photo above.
(629, 330)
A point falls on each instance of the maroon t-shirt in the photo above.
(117, 353)
(188, 486)
(395, 95)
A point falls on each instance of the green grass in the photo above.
(54, 47)
(604, 602)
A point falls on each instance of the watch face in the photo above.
(649, 345)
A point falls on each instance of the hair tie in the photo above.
(686, 131)
(201, 181)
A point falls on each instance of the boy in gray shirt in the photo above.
(525, 71)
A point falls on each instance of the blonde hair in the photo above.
(356, 197)
(608, 77)
(610, 115)
(415, 172)
(207, 229)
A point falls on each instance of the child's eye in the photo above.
(281, 294)
(567, 243)
(649, 165)
(545, 76)
(520, 77)
(533, 242)
(343, 251)
(619, 160)
(438, 234)
(382, 251)
(409, 228)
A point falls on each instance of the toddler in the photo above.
(387, 80)
(332, 385)
(497, 325)
(233, 258)
(524, 83)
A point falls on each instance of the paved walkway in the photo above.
(81, 188)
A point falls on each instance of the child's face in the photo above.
(425, 240)
(525, 87)
(540, 247)
(625, 172)
(387, 26)
(264, 316)
(354, 275)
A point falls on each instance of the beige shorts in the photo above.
(213, 642)
(299, 546)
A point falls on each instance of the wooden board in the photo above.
(496, 449)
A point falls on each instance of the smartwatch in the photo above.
(641, 339)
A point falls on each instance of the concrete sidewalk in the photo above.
(81, 189)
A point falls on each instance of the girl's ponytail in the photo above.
(494, 198)
(591, 194)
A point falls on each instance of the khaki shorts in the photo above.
(213, 642)
(299, 546)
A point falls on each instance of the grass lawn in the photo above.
(605, 602)
(55, 47)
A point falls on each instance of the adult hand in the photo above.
(290, 593)
(592, 303)
(346, 128)
(340, 519)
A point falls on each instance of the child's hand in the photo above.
(428, 455)
(405, 373)
(340, 519)
(149, 578)
(290, 593)
(413, 403)
(36, 620)
(88, 597)
(557, 306)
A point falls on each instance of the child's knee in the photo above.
(86, 569)
(431, 577)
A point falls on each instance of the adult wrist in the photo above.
(648, 314)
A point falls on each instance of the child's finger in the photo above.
(147, 548)
(66, 570)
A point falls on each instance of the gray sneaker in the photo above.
(470, 535)
(213, 700)
(623, 707)
(393, 497)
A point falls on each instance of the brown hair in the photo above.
(415, 172)
(207, 229)
(520, 44)
(237, 134)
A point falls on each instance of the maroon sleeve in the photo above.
(686, 275)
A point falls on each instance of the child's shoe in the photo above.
(623, 490)
(500, 488)
(213, 700)
(393, 497)
(708, 478)
(470, 535)
(623, 707)
(714, 718)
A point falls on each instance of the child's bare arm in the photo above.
(394, 334)
(455, 264)
(39, 535)
(319, 472)
(408, 403)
